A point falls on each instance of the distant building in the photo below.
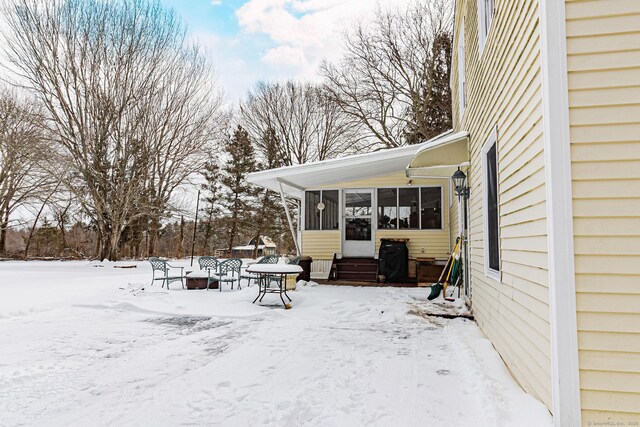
(266, 246)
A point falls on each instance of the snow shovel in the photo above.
(454, 269)
(438, 287)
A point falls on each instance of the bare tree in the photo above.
(394, 76)
(126, 97)
(22, 152)
(181, 129)
(308, 126)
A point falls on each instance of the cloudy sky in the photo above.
(251, 40)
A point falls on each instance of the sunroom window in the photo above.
(431, 208)
(387, 208)
(327, 218)
(408, 200)
(410, 208)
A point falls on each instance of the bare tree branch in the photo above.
(394, 75)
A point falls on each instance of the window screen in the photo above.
(493, 238)
(329, 218)
(431, 208)
(387, 208)
(331, 212)
(408, 207)
(311, 211)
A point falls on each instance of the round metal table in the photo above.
(278, 273)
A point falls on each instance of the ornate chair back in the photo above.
(269, 259)
(230, 267)
(158, 264)
(208, 262)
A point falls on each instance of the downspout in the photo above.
(291, 228)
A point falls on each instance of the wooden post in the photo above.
(180, 253)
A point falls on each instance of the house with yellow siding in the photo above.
(546, 136)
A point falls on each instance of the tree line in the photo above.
(111, 114)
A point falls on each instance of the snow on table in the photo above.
(84, 345)
(274, 268)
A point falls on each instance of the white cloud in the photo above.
(305, 31)
(285, 56)
(216, 2)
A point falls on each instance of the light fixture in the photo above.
(460, 183)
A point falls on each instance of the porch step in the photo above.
(360, 269)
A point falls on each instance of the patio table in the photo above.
(266, 273)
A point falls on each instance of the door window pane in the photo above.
(387, 208)
(357, 204)
(408, 208)
(357, 229)
(330, 214)
(311, 211)
(431, 208)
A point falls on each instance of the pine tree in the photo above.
(266, 220)
(238, 196)
(212, 211)
(431, 111)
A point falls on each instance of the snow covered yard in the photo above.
(85, 345)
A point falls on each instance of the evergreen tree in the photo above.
(266, 219)
(431, 112)
(238, 196)
(212, 210)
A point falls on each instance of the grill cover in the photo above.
(394, 260)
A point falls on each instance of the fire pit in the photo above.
(198, 280)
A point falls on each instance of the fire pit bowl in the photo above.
(198, 280)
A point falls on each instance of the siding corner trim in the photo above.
(562, 291)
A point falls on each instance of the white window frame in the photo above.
(483, 26)
(304, 208)
(462, 75)
(420, 187)
(493, 140)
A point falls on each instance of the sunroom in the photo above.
(348, 206)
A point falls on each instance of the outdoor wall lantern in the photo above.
(460, 184)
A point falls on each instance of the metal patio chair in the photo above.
(228, 272)
(268, 259)
(208, 262)
(164, 267)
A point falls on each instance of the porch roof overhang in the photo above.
(439, 158)
(294, 180)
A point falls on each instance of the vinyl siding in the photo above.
(422, 243)
(603, 47)
(320, 244)
(504, 92)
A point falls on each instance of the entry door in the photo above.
(357, 228)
